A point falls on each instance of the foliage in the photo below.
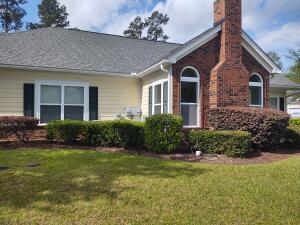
(51, 13)
(230, 143)
(276, 58)
(18, 126)
(153, 24)
(267, 127)
(68, 130)
(294, 72)
(155, 31)
(11, 14)
(135, 29)
(162, 132)
(293, 136)
(120, 133)
(295, 121)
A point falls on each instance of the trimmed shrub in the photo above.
(120, 133)
(267, 127)
(295, 121)
(293, 136)
(18, 126)
(230, 143)
(163, 132)
(68, 130)
(103, 133)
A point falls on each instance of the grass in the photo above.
(87, 187)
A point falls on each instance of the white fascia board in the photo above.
(50, 69)
(201, 40)
(285, 86)
(154, 68)
(259, 55)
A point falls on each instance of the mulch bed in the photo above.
(253, 158)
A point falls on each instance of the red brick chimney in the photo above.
(229, 78)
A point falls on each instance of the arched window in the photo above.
(256, 91)
(190, 97)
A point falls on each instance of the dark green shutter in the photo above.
(93, 103)
(28, 100)
(150, 102)
(165, 97)
(282, 104)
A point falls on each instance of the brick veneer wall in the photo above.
(204, 59)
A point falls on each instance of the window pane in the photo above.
(282, 104)
(273, 103)
(74, 95)
(165, 98)
(157, 109)
(189, 73)
(188, 92)
(255, 78)
(157, 96)
(50, 94)
(73, 112)
(189, 115)
(255, 95)
(49, 113)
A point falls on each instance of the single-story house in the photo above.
(57, 73)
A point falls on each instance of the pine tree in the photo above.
(11, 15)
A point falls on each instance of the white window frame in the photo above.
(62, 84)
(159, 82)
(192, 80)
(278, 101)
(256, 84)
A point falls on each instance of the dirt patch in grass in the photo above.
(253, 158)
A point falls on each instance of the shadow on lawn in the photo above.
(65, 178)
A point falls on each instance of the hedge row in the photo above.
(295, 122)
(18, 126)
(267, 127)
(120, 133)
(230, 143)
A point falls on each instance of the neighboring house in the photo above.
(56, 73)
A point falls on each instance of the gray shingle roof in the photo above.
(280, 80)
(80, 50)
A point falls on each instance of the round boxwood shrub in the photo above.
(163, 132)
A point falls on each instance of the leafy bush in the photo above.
(18, 126)
(293, 136)
(267, 127)
(68, 130)
(104, 133)
(162, 132)
(295, 121)
(120, 133)
(230, 143)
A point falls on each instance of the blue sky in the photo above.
(273, 24)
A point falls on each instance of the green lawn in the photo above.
(87, 187)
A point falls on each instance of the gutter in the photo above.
(154, 68)
(51, 69)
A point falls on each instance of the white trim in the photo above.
(62, 84)
(50, 69)
(159, 82)
(259, 54)
(192, 80)
(257, 84)
(170, 83)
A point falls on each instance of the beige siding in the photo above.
(279, 92)
(146, 82)
(115, 93)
